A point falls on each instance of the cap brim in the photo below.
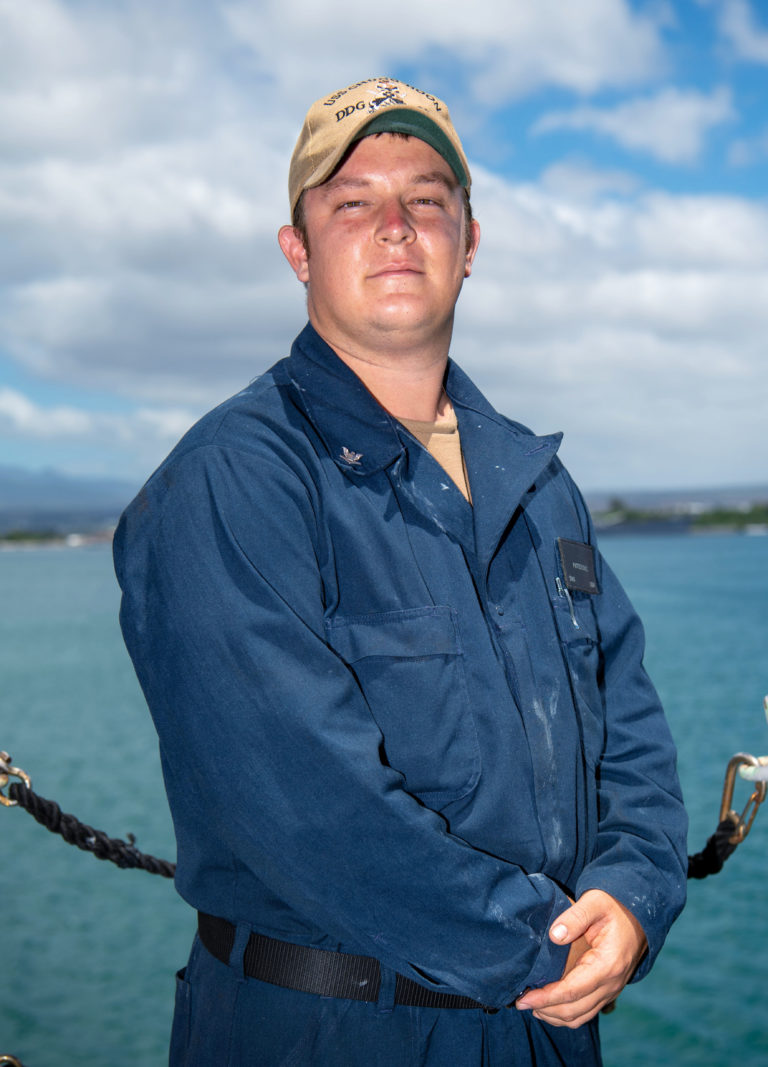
(416, 124)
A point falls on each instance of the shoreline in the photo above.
(74, 541)
(65, 542)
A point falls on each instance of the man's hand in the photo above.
(607, 943)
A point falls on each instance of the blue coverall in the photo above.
(384, 727)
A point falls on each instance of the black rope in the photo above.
(716, 851)
(122, 853)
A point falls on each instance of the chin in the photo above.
(402, 309)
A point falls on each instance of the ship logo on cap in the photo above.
(390, 95)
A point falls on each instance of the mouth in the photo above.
(396, 270)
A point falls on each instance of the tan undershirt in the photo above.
(441, 439)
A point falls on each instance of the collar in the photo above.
(361, 437)
(503, 458)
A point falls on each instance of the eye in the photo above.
(428, 201)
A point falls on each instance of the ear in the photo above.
(474, 241)
(294, 251)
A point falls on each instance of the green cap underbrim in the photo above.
(417, 124)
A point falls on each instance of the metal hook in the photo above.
(742, 823)
(6, 772)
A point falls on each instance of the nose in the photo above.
(394, 224)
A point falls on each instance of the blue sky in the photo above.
(619, 154)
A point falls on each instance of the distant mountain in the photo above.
(741, 509)
(52, 500)
(63, 503)
(680, 501)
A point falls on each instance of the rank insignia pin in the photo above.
(353, 458)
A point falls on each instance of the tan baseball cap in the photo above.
(377, 105)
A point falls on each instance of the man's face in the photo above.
(389, 248)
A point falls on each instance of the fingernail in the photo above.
(559, 932)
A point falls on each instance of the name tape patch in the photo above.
(578, 562)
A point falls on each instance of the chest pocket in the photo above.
(409, 666)
(582, 653)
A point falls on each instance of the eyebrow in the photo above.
(437, 177)
(431, 178)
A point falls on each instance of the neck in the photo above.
(404, 390)
(408, 384)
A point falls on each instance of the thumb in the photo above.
(570, 925)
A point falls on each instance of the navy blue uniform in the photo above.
(387, 727)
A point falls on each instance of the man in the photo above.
(423, 791)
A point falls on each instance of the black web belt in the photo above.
(316, 970)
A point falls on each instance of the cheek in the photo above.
(332, 274)
(448, 246)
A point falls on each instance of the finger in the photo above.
(564, 1005)
(592, 980)
(578, 984)
(571, 1015)
(571, 924)
(572, 1011)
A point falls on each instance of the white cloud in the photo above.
(506, 48)
(575, 179)
(19, 414)
(151, 203)
(42, 32)
(631, 318)
(84, 79)
(671, 125)
(141, 145)
(595, 306)
(713, 234)
(145, 434)
(144, 150)
(172, 339)
(739, 26)
(135, 272)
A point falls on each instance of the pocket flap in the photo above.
(414, 632)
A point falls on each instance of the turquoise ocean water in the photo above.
(88, 952)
